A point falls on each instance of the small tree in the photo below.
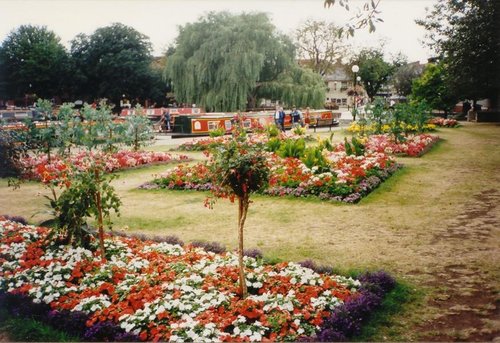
(137, 128)
(238, 169)
(69, 129)
(44, 138)
(100, 129)
(377, 114)
(86, 192)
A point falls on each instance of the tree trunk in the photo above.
(242, 215)
(99, 219)
(251, 102)
(136, 141)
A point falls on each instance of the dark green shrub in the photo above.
(12, 149)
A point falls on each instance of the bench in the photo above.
(323, 123)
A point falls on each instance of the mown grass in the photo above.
(394, 228)
(382, 324)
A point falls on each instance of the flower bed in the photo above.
(160, 291)
(414, 146)
(442, 122)
(357, 128)
(209, 142)
(38, 168)
(347, 179)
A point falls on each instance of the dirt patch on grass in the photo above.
(468, 305)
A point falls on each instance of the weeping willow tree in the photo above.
(228, 62)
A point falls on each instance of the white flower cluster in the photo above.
(49, 282)
(255, 279)
(13, 252)
(254, 331)
(189, 330)
(189, 304)
(326, 301)
(137, 264)
(165, 248)
(279, 301)
(68, 254)
(302, 275)
(348, 282)
(117, 248)
(93, 303)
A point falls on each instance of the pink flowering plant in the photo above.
(35, 166)
(414, 145)
(442, 122)
(328, 173)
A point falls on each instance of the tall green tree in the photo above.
(113, 61)
(373, 70)
(432, 87)
(34, 62)
(225, 62)
(319, 45)
(465, 35)
(404, 76)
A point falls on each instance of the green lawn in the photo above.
(418, 226)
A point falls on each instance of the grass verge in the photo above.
(30, 330)
(382, 325)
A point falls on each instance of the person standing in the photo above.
(166, 119)
(295, 117)
(307, 116)
(279, 118)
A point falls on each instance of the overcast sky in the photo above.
(159, 19)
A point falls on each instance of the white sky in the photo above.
(159, 19)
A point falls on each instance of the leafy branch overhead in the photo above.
(368, 15)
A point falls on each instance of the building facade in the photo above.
(340, 87)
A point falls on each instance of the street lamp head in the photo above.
(358, 78)
(355, 68)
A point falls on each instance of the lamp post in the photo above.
(355, 70)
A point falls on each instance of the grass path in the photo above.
(435, 225)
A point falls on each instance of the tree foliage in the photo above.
(113, 61)
(433, 88)
(34, 62)
(319, 45)
(373, 70)
(223, 61)
(465, 35)
(404, 76)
